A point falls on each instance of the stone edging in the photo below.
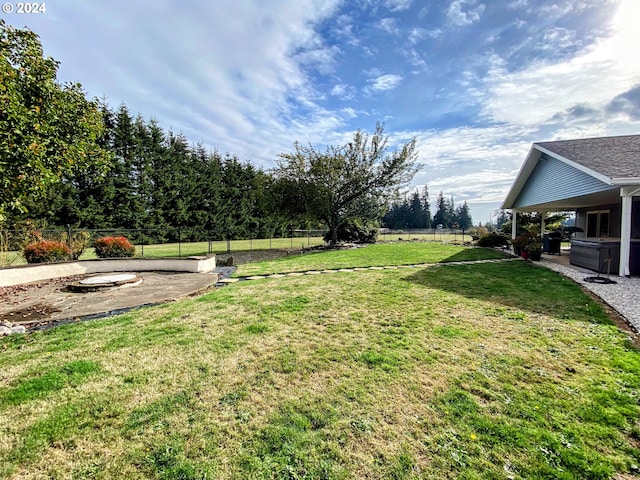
(39, 272)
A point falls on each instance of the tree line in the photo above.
(414, 211)
(157, 180)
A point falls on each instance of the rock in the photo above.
(5, 324)
(230, 262)
(18, 329)
(4, 331)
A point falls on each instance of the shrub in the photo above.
(354, 230)
(77, 242)
(520, 242)
(46, 251)
(111, 247)
(492, 240)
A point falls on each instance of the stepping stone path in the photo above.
(229, 280)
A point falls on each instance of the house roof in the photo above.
(613, 157)
(612, 161)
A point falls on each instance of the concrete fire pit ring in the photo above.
(105, 282)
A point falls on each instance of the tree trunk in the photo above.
(333, 229)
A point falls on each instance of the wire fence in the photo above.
(185, 242)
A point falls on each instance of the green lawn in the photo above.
(372, 255)
(474, 371)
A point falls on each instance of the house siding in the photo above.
(615, 211)
(553, 180)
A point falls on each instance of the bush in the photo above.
(77, 242)
(356, 231)
(492, 240)
(114, 247)
(46, 251)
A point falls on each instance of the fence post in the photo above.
(179, 244)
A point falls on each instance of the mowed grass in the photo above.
(380, 254)
(477, 371)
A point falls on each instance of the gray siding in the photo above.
(553, 180)
(615, 211)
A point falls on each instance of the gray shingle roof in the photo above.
(614, 157)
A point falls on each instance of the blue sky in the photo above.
(475, 82)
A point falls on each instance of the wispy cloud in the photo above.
(398, 5)
(389, 25)
(385, 82)
(461, 16)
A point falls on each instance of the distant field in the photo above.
(203, 248)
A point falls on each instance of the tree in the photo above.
(424, 198)
(344, 182)
(463, 217)
(47, 130)
(443, 214)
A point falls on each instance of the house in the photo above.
(598, 179)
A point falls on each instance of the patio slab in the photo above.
(48, 303)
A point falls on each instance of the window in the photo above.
(598, 223)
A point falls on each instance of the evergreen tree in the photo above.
(443, 215)
(426, 208)
(463, 217)
(416, 219)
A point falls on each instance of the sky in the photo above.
(474, 82)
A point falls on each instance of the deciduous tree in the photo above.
(47, 130)
(335, 185)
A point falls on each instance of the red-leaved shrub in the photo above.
(112, 247)
(46, 251)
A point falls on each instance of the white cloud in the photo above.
(385, 82)
(398, 5)
(458, 16)
(593, 77)
(558, 37)
(389, 25)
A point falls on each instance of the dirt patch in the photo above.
(32, 313)
(251, 256)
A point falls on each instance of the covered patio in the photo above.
(599, 180)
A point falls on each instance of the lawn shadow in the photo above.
(516, 285)
(475, 254)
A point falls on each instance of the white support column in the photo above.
(626, 193)
(514, 230)
(542, 216)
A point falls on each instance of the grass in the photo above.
(476, 371)
(372, 255)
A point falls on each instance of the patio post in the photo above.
(542, 216)
(514, 230)
(626, 193)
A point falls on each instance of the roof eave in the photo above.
(620, 181)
